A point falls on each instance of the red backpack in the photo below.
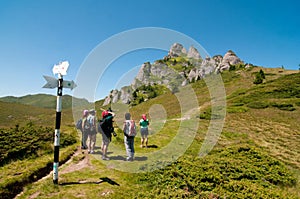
(130, 128)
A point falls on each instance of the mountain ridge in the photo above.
(43, 100)
(179, 68)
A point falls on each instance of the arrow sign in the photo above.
(61, 68)
(69, 84)
(53, 83)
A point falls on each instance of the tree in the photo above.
(262, 74)
(258, 79)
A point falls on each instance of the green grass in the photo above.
(44, 100)
(235, 172)
(24, 155)
(256, 156)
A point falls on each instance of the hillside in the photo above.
(178, 68)
(44, 100)
(256, 155)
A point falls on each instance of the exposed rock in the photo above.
(107, 101)
(177, 50)
(125, 95)
(113, 97)
(193, 53)
(229, 58)
(160, 73)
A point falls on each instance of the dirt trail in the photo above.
(84, 162)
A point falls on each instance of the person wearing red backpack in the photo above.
(129, 130)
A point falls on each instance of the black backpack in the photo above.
(106, 125)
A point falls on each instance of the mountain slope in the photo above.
(44, 100)
(257, 154)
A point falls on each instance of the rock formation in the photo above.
(160, 73)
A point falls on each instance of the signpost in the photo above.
(60, 69)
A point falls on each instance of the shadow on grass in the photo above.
(104, 179)
(123, 158)
(152, 146)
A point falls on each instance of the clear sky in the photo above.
(36, 34)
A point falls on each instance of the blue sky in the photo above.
(36, 34)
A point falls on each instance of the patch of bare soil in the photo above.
(83, 163)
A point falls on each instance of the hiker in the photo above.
(83, 131)
(91, 130)
(144, 123)
(129, 130)
(106, 128)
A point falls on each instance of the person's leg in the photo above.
(142, 142)
(143, 137)
(84, 137)
(146, 137)
(127, 147)
(132, 148)
(146, 141)
(104, 150)
(93, 142)
(105, 144)
(89, 142)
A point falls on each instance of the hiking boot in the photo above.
(105, 158)
(129, 159)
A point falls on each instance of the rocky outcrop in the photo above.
(177, 50)
(229, 58)
(157, 73)
(193, 53)
(160, 73)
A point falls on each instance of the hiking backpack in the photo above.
(130, 128)
(79, 124)
(106, 124)
(90, 123)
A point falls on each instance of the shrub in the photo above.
(258, 105)
(236, 172)
(29, 141)
(284, 106)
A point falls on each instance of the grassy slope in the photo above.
(43, 100)
(268, 133)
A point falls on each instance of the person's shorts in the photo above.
(106, 139)
(144, 132)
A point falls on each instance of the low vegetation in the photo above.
(256, 156)
(26, 147)
(233, 172)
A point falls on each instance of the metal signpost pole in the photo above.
(57, 129)
(60, 69)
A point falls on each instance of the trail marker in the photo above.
(60, 69)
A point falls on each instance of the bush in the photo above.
(236, 172)
(29, 142)
(284, 106)
(258, 105)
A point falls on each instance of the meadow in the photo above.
(257, 154)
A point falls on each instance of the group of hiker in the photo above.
(90, 126)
